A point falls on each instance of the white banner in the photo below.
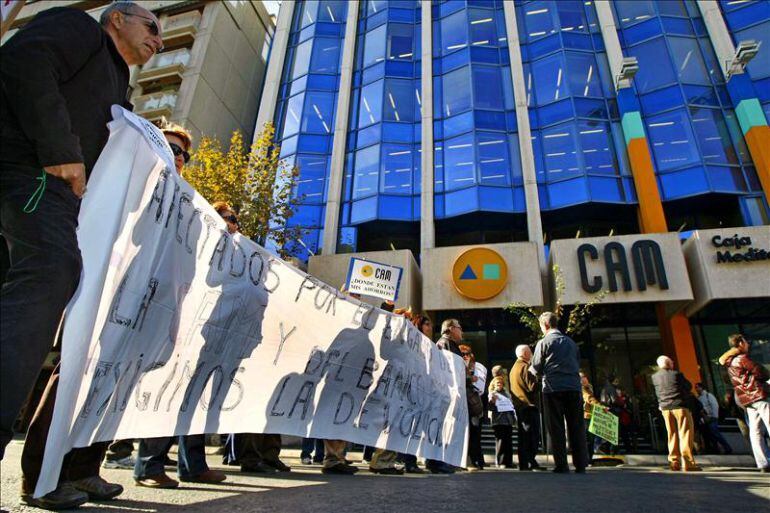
(180, 328)
(373, 279)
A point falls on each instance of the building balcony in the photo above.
(156, 105)
(180, 30)
(164, 69)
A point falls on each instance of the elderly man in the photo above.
(673, 392)
(524, 395)
(59, 76)
(557, 360)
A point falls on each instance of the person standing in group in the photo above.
(59, 75)
(525, 400)
(477, 374)
(749, 380)
(589, 401)
(557, 360)
(673, 392)
(711, 419)
(503, 419)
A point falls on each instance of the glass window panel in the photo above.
(487, 88)
(688, 60)
(301, 59)
(549, 80)
(654, 65)
(459, 169)
(482, 25)
(597, 148)
(374, 46)
(318, 114)
(400, 41)
(561, 159)
(366, 174)
(672, 8)
(633, 11)
(756, 213)
(396, 169)
(332, 10)
(508, 89)
(713, 136)
(538, 18)
(398, 103)
(370, 108)
(326, 55)
(759, 66)
(515, 160)
(291, 118)
(737, 135)
(672, 140)
(454, 32)
(375, 6)
(309, 13)
(457, 93)
(493, 162)
(583, 75)
(312, 177)
(572, 16)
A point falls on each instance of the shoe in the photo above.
(97, 488)
(278, 465)
(442, 470)
(561, 470)
(414, 470)
(65, 496)
(387, 471)
(340, 468)
(580, 470)
(168, 462)
(538, 468)
(208, 477)
(693, 468)
(306, 461)
(126, 463)
(258, 468)
(674, 467)
(157, 481)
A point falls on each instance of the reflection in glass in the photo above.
(459, 169)
(398, 104)
(374, 46)
(396, 169)
(454, 32)
(400, 41)
(672, 140)
(457, 94)
(366, 174)
(370, 108)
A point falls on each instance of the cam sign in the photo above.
(373, 279)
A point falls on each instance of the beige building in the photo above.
(210, 75)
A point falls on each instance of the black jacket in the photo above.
(59, 76)
(673, 389)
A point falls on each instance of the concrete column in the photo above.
(717, 29)
(534, 221)
(611, 41)
(334, 192)
(427, 180)
(275, 66)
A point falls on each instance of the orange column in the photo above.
(758, 141)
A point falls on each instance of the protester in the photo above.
(557, 360)
(673, 392)
(608, 397)
(477, 374)
(749, 381)
(711, 419)
(525, 400)
(589, 401)
(503, 419)
(502, 372)
(312, 451)
(626, 426)
(119, 455)
(59, 75)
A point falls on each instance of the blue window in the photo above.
(539, 19)
(482, 27)
(398, 104)
(583, 75)
(737, 135)
(597, 148)
(375, 6)
(370, 108)
(572, 15)
(366, 174)
(301, 59)
(561, 159)
(291, 118)
(493, 162)
(396, 169)
(309, 13)
(633, 11)
(672, 140)
(400, 41)
(654, 65)
(713, 136)
(374, 46)
(487, 88)
(457, 93)
(312, 177)
(326, 55)
(318, 114)
(550, 82)
(672, 8)
(459, 169)
(688, 60)
(454, 32)
(332, 11)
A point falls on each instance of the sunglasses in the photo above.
(177, 150)
(466, 354)
(231, 218)
(149, 23)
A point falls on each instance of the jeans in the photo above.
(44, 272)
(528, 419)
(151, 456)
(308, 444)
(712, 427)
(560, 407)
(758, 414)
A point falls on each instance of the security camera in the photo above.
(628, 68)
(744, 52)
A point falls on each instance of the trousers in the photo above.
(561, 407)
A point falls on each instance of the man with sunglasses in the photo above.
(59, 77)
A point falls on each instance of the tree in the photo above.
(257, 184)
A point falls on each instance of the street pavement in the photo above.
(305, 489)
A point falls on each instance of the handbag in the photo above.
(475, 406)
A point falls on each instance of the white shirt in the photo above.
(710, 404)
(481, 377)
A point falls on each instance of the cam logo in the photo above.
(479, 273)
(367, 271)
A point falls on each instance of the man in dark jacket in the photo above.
(59, 76)
(674, 393)
(749, 381)
(557, 360)
(524, 395)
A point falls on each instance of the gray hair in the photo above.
(521, 350)
(124, 6)
(447, 324)
(664, 362)
(548, 319)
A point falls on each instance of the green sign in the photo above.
(604, 424)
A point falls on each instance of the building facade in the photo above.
(624, 141)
